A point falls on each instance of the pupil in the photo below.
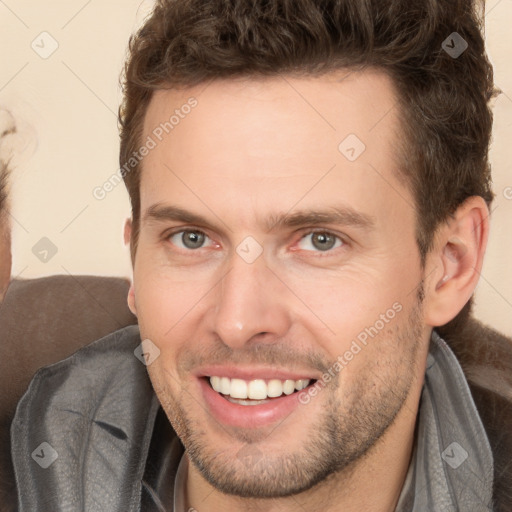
(323, 241)
(193, 239)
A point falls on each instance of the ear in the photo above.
(131, 291)
(454, 265)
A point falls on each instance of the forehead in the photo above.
(311, 107)
(285, 135)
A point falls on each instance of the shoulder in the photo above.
(98, 401)
(106, 358)
(93, 373)
(485, 356)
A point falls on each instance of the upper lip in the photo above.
(253, 373)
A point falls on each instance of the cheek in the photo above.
(163, 300)
(382, 356)
(343, 304)
(169, 313)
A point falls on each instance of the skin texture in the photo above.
(251, 152)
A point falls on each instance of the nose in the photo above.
(250, 304)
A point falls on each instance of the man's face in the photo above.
(268, 251)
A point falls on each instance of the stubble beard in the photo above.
(338, 439)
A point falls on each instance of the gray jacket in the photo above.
(89, 435)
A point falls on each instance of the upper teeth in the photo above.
(257, 389)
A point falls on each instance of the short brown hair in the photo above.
(443, 99)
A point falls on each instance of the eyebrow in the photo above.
(159, 212)
(341, 215)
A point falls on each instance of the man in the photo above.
(310, 199)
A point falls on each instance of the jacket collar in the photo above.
(452, 465)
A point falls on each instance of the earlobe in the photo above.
(456, 261)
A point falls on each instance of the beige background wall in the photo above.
(66, 105)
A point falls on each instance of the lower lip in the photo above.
(248, 416)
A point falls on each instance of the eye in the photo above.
(189, 239)
(320, 241)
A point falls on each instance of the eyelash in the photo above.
(304, 234)
(168, 236)
(328, 252)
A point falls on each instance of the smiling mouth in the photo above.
(257, 391)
